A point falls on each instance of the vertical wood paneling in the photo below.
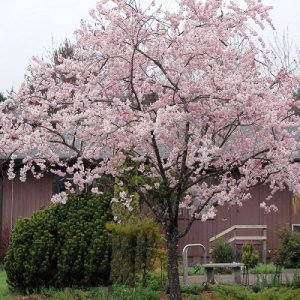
(21, 199)
(249, 214)
(24, 198)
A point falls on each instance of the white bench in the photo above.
(236, 270)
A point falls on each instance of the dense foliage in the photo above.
(62, 245)
(250, 255)
(136, 248)
(288, 253)
(226, 292)
(222, 252)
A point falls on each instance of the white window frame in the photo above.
(295, 225)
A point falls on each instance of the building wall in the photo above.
(249, 214)
(21, 199)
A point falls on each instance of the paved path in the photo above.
(286, 274)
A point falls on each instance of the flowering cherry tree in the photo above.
(190, 97)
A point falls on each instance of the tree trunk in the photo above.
(173, 274)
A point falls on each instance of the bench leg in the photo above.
(237, 275)
(209, 273)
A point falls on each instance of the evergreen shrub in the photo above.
(135, 248)
(62, 245)
(288, 253)
(250, 255)
(222, 252)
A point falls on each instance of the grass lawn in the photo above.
(5, 294)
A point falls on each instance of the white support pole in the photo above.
(185, 259)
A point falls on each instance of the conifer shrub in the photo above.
(62, 245)
(250, 259)
(222, 252)
(135, 248)
(250, 255)
(288, 253)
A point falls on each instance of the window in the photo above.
(296, 227)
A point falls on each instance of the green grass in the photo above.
(153, 292)
(223, 292)
(4, 291)
(263, 269)
(66, 294)
(197, 269)
(119, 292)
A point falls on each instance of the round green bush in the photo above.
(63, 245)
(288, 253)
(222, 252)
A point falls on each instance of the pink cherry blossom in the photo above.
(192, 97)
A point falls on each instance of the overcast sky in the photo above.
(34, 27)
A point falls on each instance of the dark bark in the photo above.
(173, 274)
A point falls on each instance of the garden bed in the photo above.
(157, 292)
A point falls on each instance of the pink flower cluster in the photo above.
(189, 96)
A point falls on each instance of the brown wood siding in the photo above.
(249, 214)
(21, 199)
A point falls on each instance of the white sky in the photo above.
(33, 27)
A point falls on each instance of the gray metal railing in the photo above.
(185, 259)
